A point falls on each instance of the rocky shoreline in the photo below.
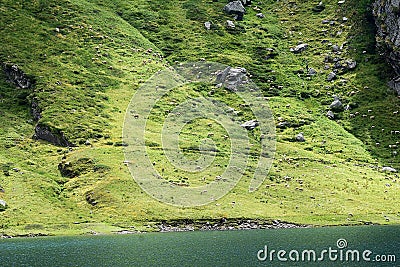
(185, 225)
(224, 224)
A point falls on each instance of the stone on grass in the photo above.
(230, 24)
(260, 15)
(388, 169)
(312, 72)
(235, 8)
(300, 137)
(299, 48)
(336, 104)
(3, 205)
(250, 125)
(330, 115)
(231, 78)
(351, 64)
(331, 76)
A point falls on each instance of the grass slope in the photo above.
(89, 56)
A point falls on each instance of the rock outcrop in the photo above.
(232, 78)
(54, 137)
(17, 77)
(235, 8)
(387, 18)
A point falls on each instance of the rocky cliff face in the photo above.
(387, 17)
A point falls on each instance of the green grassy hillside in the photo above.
(88, 57)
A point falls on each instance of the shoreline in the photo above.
(184, 225)
(189, 225)
(225, 225)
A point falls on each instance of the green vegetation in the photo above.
(89, 56)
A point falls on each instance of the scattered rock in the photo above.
(17, 77)
(298, 49)
(246, 2)
(250, 125)
(335, 48)
(232, 78)
(260, 15)
(338, 65)
(312, 72)
(230, 24)
(235, 8)
(330, 115)
(3, 205)
(336, 104)
(319, 8)
(388, 169)
(283, 125)
(351, 64)
(331, 76)
(300, 137)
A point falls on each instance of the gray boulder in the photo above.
(330, 115)
(235, 8)
(388, 169)
(312, 72)
(246, 2)
(230, 24)
(207, 25)
(283, 125)
(351, 64)
(260, 15)
(331, 76)
(336, 104)
(232, 78)
(298, 49)
(250, 125)
(300, 137)
(3, 205)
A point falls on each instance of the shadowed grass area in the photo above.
(88, 57)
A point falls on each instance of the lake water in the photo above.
(212, 248)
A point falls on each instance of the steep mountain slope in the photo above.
(86, 58)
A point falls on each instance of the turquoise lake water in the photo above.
(342, 245)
